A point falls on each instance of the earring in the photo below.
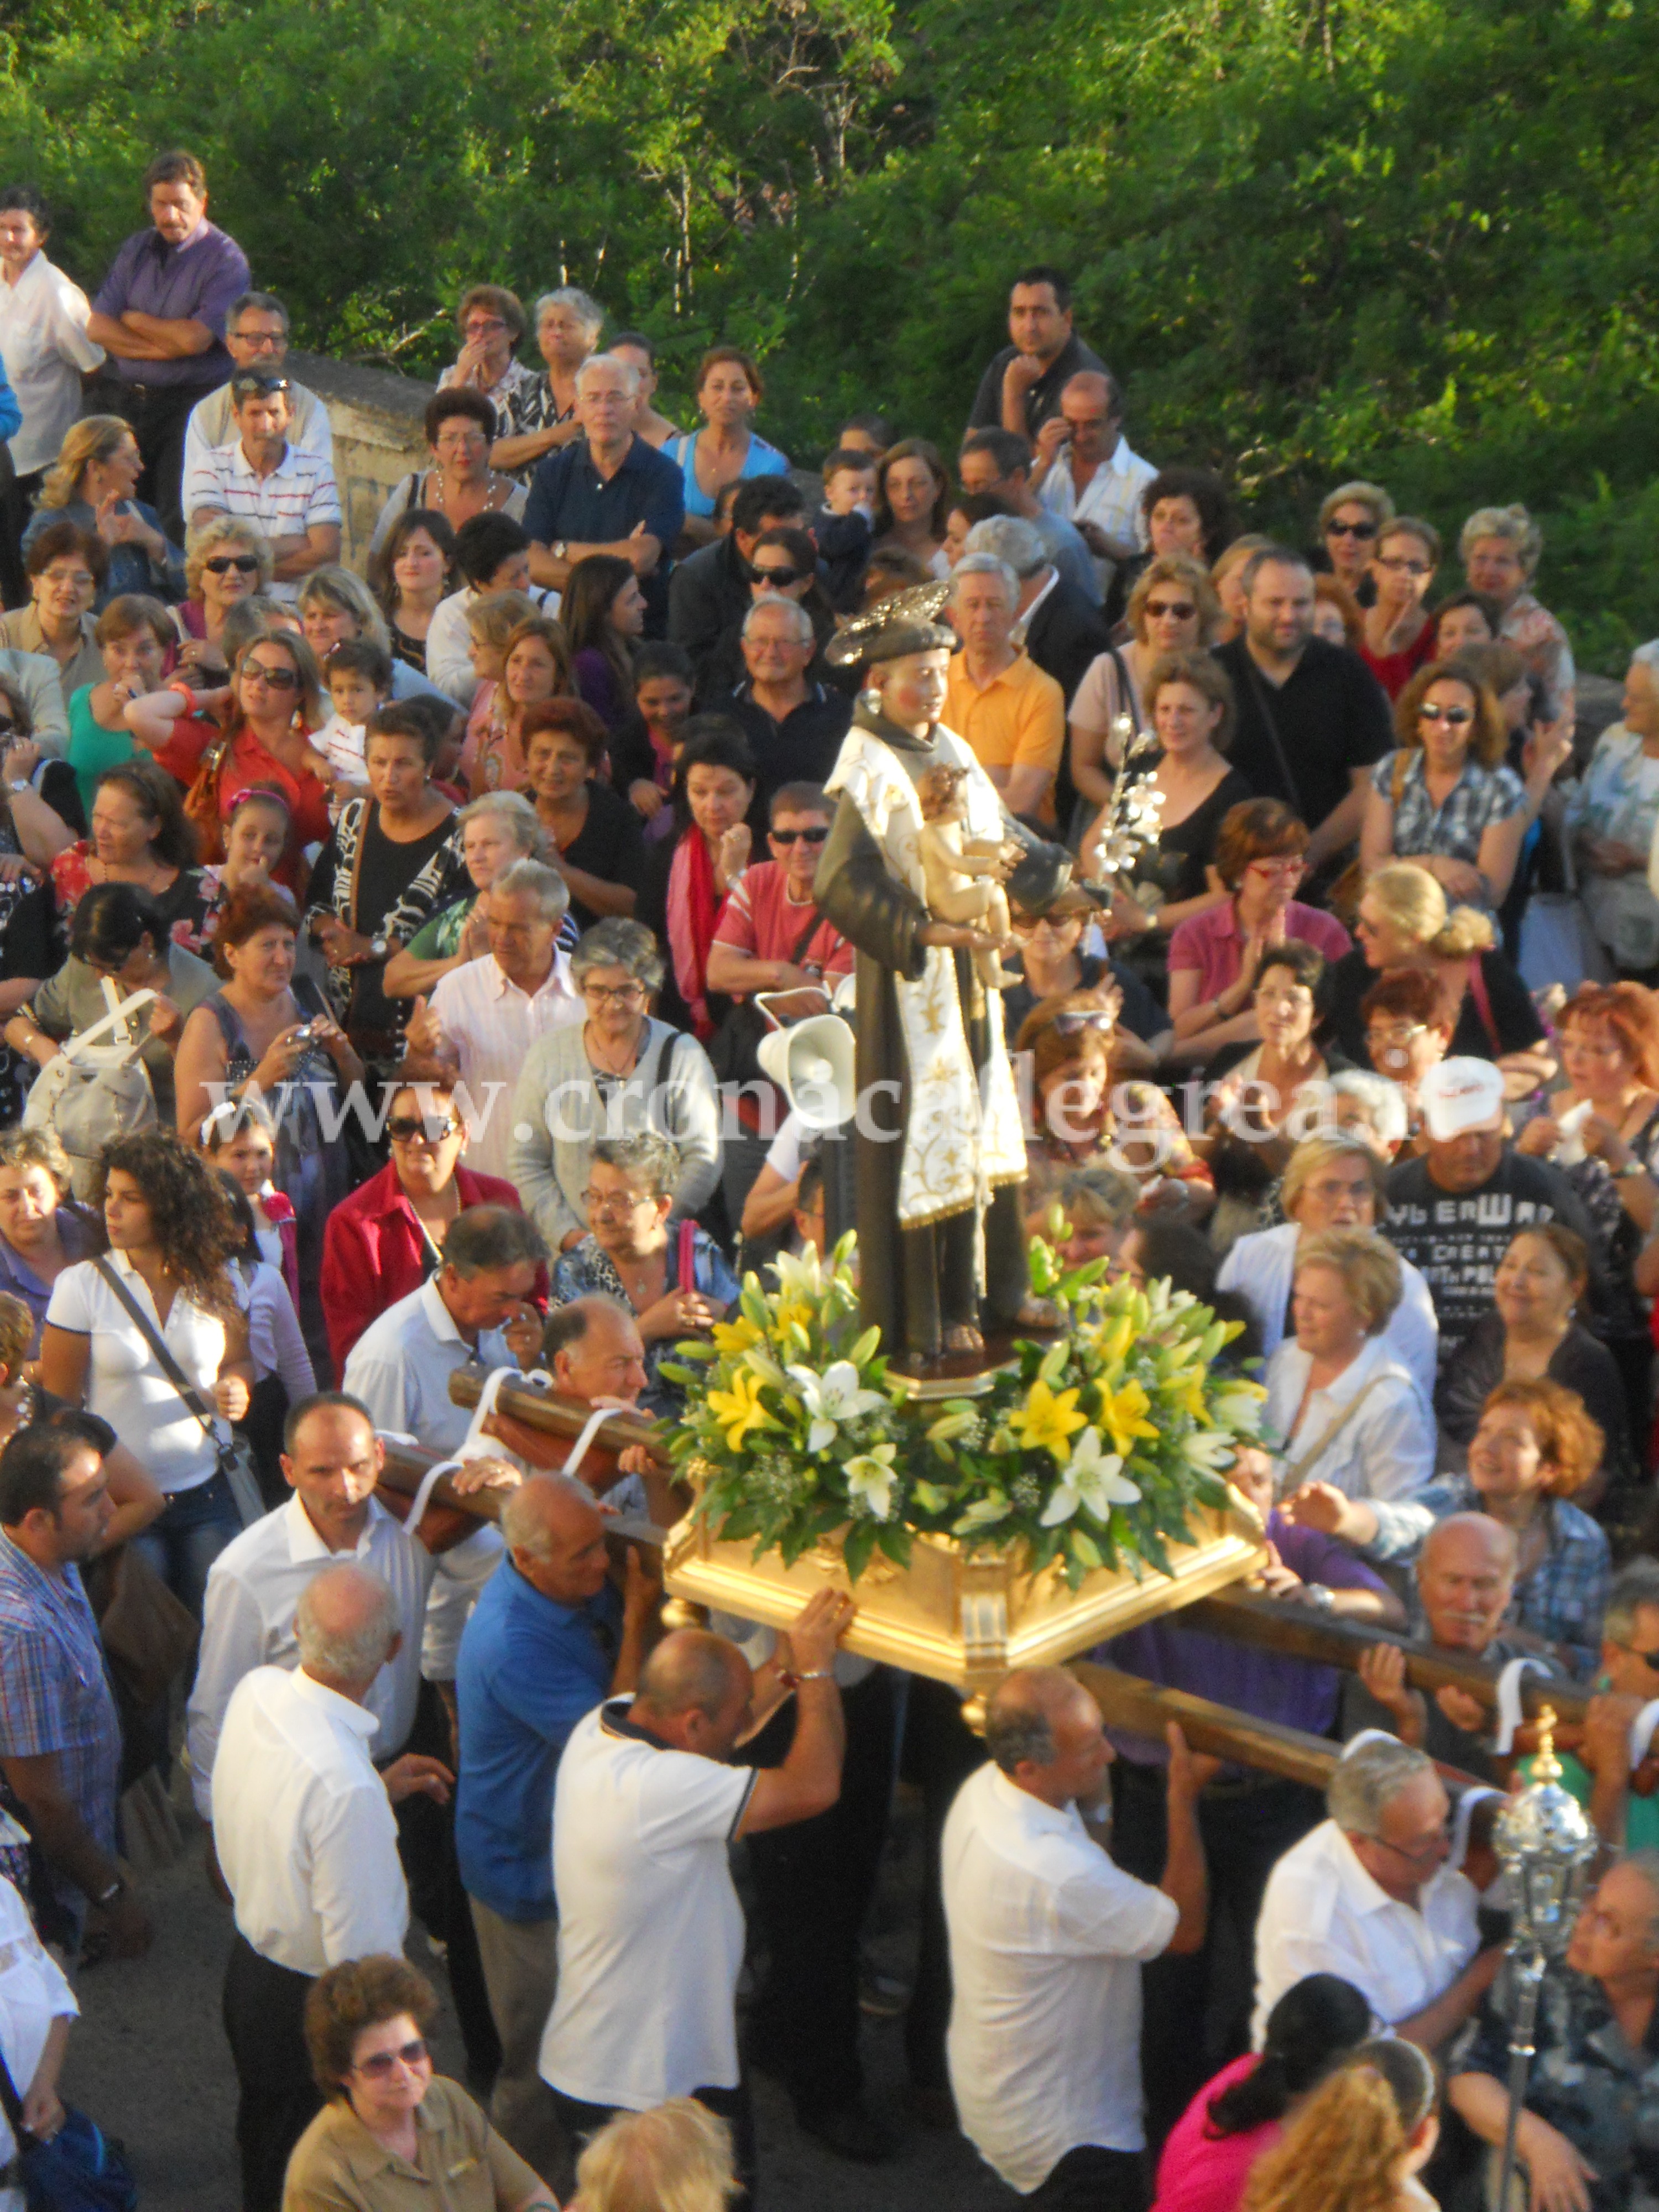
(871, 701)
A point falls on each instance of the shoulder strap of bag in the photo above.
(168, 1365)
(1294, 1476)
(120, 1011)
(1397, 781)
(1270, 721)
(813, 926)
(1482, 998)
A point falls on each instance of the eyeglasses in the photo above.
(1352, 530)
(78, 581)
(480, 327)
(1276, 868)
(1454, 717)
(1070, 1024)
(1400, 567)
(797, 836)
(266, 341)
(453, 442)
(775, 579)
(1423, 1855)
(249, 383)
(379, 2064)
(616, 1201)
(423, 1129)
(245, 564)
(613, 995)
(274, 680)
(1174, 610)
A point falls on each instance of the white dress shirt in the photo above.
(298, 494)
(1261, 1267)
(493, 1022)
(303, 1827)
(32, 1994)
(1110, 499)
(254, 1590)
(1385, 1448)
(44, 346)
(213, 423)
(650, 1928)
(1047, 1937)
(401, 1365)
(1321, 1913)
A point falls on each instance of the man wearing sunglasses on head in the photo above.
(257, 478)
(256, 338)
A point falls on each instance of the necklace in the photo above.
(602, 1066)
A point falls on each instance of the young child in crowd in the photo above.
(358, 674)
(240, 1141)
(643, 752)
(849, 482)
(490, 622)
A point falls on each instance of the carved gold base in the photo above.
(962, 1619)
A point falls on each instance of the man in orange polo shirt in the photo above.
(997, 699)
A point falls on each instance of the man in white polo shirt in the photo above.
(651, 1933)
(1047, 1937)
(1369, 1895)
(287, 495)
(308, 1847)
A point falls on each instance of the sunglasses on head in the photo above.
(245, 385)
(1069, 1024)
(428, 1128)
(380, 2062)
(1454, 716)
(1349, 530)
(245, 564)
(798, 837)
(1176, 609)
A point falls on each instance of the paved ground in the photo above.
(149, 2061)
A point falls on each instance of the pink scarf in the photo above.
(694, 907)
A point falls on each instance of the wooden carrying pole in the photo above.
(1245, 1616)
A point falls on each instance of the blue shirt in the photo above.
(569, 499)
(529, 1668)
(193, 282)
(760, 460)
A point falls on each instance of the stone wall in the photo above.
(377, 437)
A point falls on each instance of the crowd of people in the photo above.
(384, 967)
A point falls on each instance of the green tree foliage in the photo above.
(1409, 239)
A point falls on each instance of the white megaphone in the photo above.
(812, 1065)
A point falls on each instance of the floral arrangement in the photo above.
(1093, 1449)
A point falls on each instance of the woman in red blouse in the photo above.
(275, 702)
(1399, 636)
(383, 1242)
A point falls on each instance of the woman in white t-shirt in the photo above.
(172, 1233)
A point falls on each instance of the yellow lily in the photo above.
(738, 1410)
(731, 1337)
(1123, 1416)
(1047, 1422)
(1116, 1341)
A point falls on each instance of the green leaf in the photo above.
(861, 1543)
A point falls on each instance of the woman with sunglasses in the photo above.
(226, 562)
(602, 613)
(1351, 519)
(1445, 799)
(392, 2132)
(1052, 963)
(275, 702)
(1172, 609)
(384, 1240)
(783, 566)
(1399, 633)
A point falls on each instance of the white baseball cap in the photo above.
(1459, 1095)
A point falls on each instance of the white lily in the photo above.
(1092, 1478)
(872, 1478)
(1214, 1450)
(1239, 1409)
(980, 1514)
(831, 1398)
(799, 1273)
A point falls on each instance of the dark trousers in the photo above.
(1093, 2180)
(941, 1752)
(426, 1846)
(813, 1883)
(159, 414)
(580, 2121)
(1196, 2008)
(277, 2099)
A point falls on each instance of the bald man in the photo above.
(650, 1932)
(309, 1848)
(1047, 1937)
(1466, 1574)
(1087, 475)
(549, 1638)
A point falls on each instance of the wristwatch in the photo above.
(561, 546)
(1619, 1175)
(378, 948)
(18, 783)
(1321, 1599)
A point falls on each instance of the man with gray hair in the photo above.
(308, 1847)
(794, 724)
(607, 492)
(1061, 626)
(485, 1015)
(256, 338)
(1371, 1894)
(476, 1307)
(997, 700)
(1047, 1937)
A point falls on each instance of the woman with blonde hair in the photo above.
(1405, 922)
(1351, 520)
(675, 2158)
(225, 561)
(91, 485)
(1172, 609)
(1360, 2140)
(1499, 547)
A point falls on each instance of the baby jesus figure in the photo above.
(964, 875)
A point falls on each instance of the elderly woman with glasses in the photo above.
(675, 1284)
(1499, 547)
(226, 562)
(384, 1240)
(491, 322)
(461, 424)
(1052, 963)
(1352, 519)
(66, 567)
(1216, 956)
(391, 2130)
(621, 1072)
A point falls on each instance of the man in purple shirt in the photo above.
(159, 314)
(1248, 1820)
